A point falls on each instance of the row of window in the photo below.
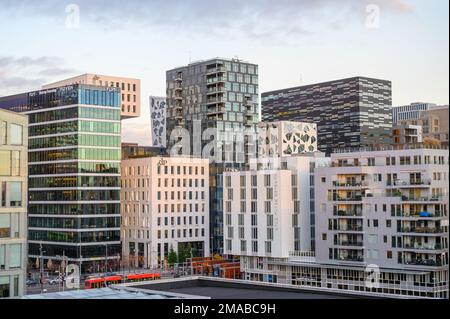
(74, 181)
(74, 167)
(74, 209)
(74, 223)
(74, 126)
(243, 246)
(74, 237)
(185, 233)
(173, 208)
(74, 154)
(73, 140)
(75, 195)
(145, 182)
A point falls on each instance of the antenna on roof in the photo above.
(190, 57)
(301, 79)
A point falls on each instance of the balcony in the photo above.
(417, 215)
(350, 228)
(352, 258)
(422, 230)
(302, 256)
(421, 199)
(216, 80)
(357, 198)
(216, 111)
(215, 101)
(348, 213)
(424, 262)
(217, 70)
(350, 184)
(349, 243)
(420, 246)
(216, 90)
(409, 183)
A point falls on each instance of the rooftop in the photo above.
(220, 288)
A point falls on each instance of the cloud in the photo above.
(250, 19)
(27, 73)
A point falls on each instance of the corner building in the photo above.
(74, 152)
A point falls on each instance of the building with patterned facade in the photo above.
(286, 138)
(158, 119)
(349, 113)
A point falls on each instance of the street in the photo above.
(47, 288)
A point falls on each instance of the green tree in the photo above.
(172, 258)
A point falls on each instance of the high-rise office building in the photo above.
(165, 206)
(74, 152)
(349, 113)
(13, 203)
(223, 96)
(158, 119)
(130, 98)
(409, 112)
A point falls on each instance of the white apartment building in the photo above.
(13, 203)
(381, 227)
(130, 90)
(164, 204)
(269, 210)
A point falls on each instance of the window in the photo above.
(15, 197)
(5, 163)
(15, 255)
(16, 134)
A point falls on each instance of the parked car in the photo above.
(56, 281)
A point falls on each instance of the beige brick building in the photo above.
(13, 203)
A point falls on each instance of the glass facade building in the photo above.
(223, 96)
(74, 154)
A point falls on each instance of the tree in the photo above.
(172, 257)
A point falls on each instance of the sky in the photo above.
(294, 42)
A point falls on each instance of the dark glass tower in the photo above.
(223, 96)
(349, 113)
(74, 174)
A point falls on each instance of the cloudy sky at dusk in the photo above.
(295, 42)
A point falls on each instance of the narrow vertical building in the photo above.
(220, 99)
(13, 203)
